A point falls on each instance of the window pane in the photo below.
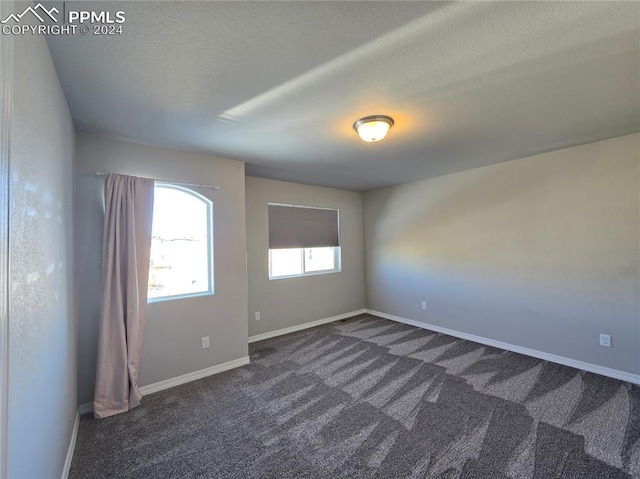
(180, 260)
(319, 259)
(285, 262)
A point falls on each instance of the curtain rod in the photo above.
(102, 173)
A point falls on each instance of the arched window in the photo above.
(182, 244)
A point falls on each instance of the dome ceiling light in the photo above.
(373, 128)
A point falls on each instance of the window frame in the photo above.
(337, 258)
(337, 250)
(210, 249)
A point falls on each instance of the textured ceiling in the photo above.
(279, 84)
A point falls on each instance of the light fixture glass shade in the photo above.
(373, 128)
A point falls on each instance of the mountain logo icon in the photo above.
(34, 10)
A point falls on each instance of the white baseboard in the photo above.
(72, 447)
(85, 408)
(574, 363)
(177, 381)
(187, 378)
(300, 327)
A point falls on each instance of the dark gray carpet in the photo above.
(369, 398)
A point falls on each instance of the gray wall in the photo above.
(540, 252)
(42, 326)
(172, 344)
(293, 301)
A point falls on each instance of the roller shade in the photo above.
(300, 227)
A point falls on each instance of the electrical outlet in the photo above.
(257, 315)
(605, 340)
(424, 305)
(205, 342)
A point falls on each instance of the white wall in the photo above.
(540, 252)
(290, 302)
(42, 327)
(172, 337)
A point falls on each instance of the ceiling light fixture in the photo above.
(373, 128)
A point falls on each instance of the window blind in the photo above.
(300, 227)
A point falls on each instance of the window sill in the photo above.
(303, 275)
(179, 296)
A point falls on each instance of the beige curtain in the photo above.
(125, 266)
